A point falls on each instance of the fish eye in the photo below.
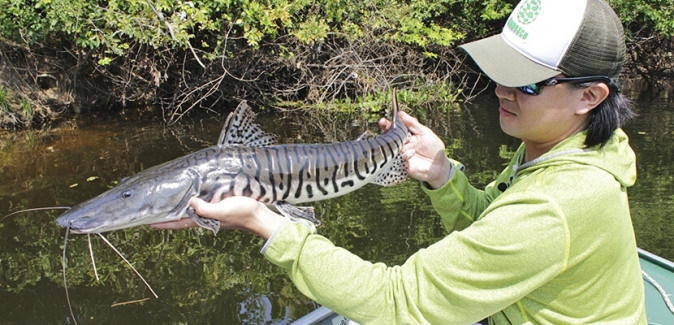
(127, 194)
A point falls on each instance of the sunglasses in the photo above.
(537, 88)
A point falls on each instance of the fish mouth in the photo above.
(80, 225)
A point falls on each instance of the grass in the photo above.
(443, 96)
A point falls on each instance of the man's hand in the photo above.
(424, 152)
(236, 212)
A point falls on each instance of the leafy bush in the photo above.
(649, 17)
(168, 23)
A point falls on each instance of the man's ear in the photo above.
(592, 97)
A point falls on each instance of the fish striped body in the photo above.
(297, 173)
(244, 163)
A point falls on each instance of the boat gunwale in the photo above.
(655, 259)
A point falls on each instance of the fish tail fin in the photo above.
(394, 175)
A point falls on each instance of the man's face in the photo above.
(542, 120)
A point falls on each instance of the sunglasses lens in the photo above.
(532, 89)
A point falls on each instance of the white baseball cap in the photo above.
(543, 38)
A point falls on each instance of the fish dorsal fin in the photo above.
(240, 129)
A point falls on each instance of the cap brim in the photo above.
(505, 65)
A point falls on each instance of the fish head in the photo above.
(139, 200)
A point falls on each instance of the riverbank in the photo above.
(192, 56)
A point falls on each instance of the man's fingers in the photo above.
(385, 124)
(412, 123)
(408, 153)
(178, 224)
(211, 209)
(198, 204)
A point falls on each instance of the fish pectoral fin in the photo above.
(394, 174)
(210, 224)
(297, 213)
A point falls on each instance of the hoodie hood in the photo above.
(616, 157)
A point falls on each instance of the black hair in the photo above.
(608, 116)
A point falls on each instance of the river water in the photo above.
(204, 279)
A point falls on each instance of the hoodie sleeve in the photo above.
(457, 202)
(466, 276)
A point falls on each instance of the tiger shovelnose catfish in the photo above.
(245, 163)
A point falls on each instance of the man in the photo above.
(550, 241)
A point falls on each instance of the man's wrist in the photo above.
(443, 176)
(267, 222)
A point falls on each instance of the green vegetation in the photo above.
(182, 55)
(645, 17)
(117, 25)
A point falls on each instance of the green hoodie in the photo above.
(556, 247)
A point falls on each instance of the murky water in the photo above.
(202, 279)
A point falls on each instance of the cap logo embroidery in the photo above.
(527, 13)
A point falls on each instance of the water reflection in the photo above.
(205, 279)
(652, 198)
